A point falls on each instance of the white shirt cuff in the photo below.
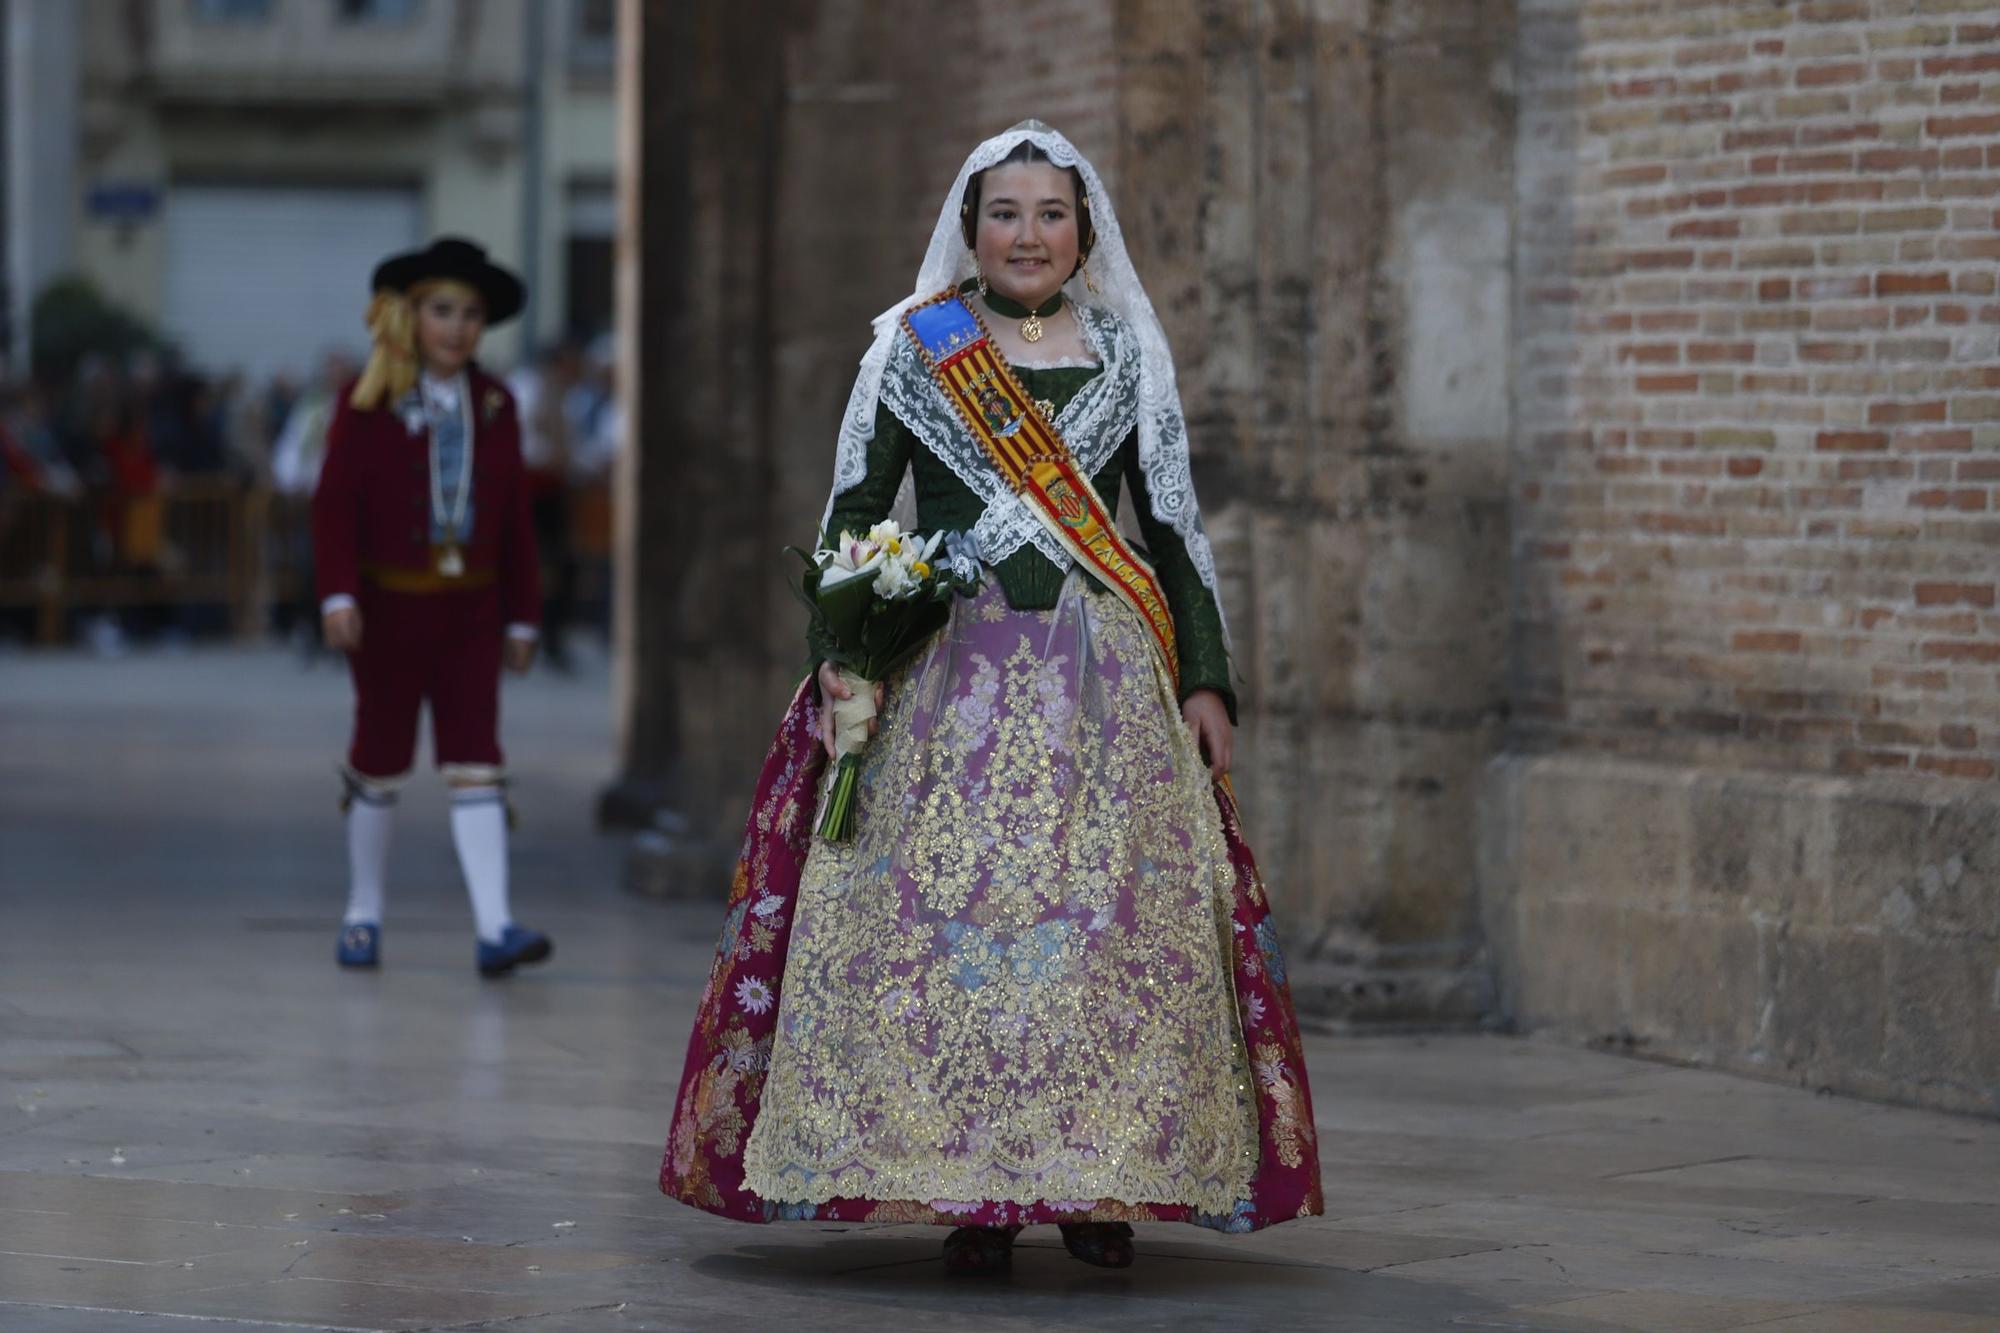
(529, 633)
(340, 601)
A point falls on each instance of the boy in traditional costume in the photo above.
(427, 579)
(1041, 983)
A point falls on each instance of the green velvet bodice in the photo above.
(1030, 579)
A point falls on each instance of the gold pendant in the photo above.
(1031, 328)
(451, 562)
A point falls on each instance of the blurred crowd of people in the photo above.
(116, 438)
(126, 427)
(571, 427)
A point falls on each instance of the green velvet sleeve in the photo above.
(868, 502)
(1197, 620)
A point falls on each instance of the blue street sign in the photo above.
(123, 201)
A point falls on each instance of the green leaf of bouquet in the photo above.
(845, 607)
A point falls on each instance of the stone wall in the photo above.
(1338, 304)
(1318, 198)
(1751, 819)
(1836, 932)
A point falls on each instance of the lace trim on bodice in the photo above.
(1094, 423)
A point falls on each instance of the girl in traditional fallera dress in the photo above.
(1040, 984)
(425, 559)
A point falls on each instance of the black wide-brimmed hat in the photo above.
(460, 260)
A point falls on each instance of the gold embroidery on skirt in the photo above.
(1053, 1019)
(1288, 1128)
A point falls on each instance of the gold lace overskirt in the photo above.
(1013, 985)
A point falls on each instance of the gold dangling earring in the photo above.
(1089, 283)
(980, 274)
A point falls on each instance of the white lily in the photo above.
(841, 570)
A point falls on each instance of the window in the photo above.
(232, 11)
(374, 11)
(593, 34)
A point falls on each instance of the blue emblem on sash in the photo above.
(944, 328)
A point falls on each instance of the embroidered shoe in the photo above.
(1100, 1244)
(979, 1249)
(360, 945)
(517, 945)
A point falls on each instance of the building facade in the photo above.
(1594, 406)
(233, 167)
(1748, 812)
(38, 140)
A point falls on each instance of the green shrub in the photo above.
(72, 319)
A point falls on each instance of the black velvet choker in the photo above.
(1031, 320)
(1015, 310)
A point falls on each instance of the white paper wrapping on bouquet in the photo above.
(852, 715)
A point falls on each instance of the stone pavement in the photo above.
(200, 1117)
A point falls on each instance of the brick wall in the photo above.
(1749, 817)
(1758, 463)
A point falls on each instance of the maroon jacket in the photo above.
(372, 509)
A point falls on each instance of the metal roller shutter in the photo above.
(264, 279)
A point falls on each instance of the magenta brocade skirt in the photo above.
(1042, 984)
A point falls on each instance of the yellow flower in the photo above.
(920, 570)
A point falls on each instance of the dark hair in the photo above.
(1026, 152)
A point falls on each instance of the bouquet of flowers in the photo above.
(875, 601)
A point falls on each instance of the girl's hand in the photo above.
(1208, 718)
(831, 687)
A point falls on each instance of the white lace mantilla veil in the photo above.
(1163, 440)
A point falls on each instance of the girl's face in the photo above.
(1027, 236)
(450, 318)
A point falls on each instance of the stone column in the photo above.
(703, 95)
(1319, 199)
(785, 173)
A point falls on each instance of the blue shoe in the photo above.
(517, 945)
(360, 945)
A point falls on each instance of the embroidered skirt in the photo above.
(1039, 985)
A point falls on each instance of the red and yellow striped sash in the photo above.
(1033, 457)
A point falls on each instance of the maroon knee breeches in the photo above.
(416, 648)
